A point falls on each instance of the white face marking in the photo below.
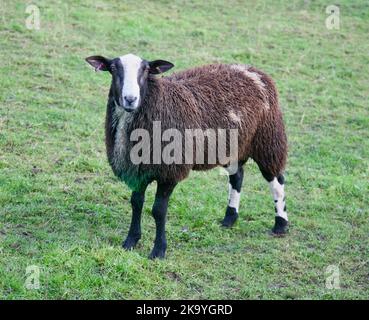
(277, 191)
(131, 89)
(233, 198)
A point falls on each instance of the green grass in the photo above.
(62, 209)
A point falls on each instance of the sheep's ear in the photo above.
(99, 63)
(160, 66)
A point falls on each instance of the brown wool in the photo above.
(213, 96)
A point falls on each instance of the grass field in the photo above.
(62, 210)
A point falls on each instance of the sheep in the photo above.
(229, 96)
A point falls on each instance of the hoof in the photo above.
(230, 218)
(130, 243)
(157, 253)
(280, 227)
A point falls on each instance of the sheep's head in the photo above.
(130, 75)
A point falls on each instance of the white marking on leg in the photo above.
(233, 198)
(277, 190)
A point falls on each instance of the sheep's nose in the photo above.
(130, 99)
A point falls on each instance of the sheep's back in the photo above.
(215, 97)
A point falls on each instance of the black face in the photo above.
(129, 77)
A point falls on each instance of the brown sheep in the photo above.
(203, 99)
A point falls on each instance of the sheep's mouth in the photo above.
(126, 108)
(129, 109)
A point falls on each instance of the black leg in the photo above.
(134, 233)
(159, 211)
(235, 184)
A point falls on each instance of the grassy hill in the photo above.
(62, 210)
